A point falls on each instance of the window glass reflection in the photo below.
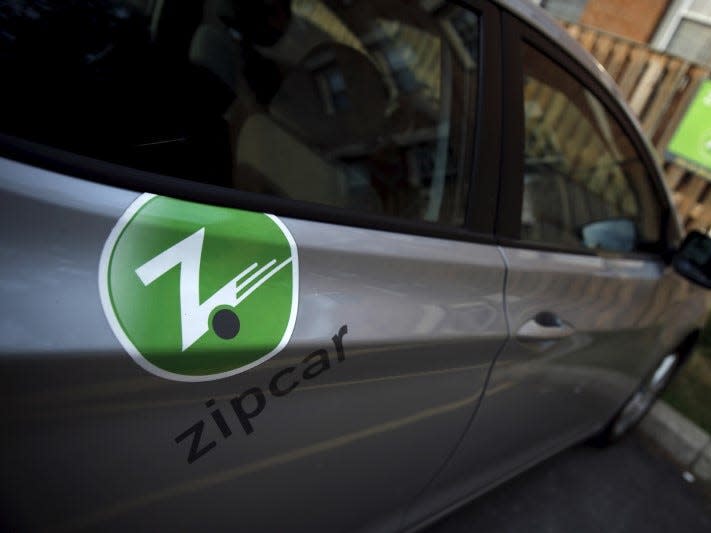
(365, 105)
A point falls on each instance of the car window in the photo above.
(366, 105)
(585, 186)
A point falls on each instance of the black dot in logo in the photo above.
(225, 324)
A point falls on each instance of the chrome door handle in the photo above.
(545, 326)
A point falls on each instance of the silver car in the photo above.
(317, 265)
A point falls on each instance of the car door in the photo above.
(300, 353)
(590, 303)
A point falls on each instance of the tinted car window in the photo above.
(366, 105)
(584, 184)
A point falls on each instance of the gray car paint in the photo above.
(544, 395)
(88, 436)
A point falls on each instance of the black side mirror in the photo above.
(693, 259)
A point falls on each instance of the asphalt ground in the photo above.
(629, 487)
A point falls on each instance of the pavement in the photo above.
(684, 441)
(632, 486)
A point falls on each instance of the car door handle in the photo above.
(545, 326)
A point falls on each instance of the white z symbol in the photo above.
(194, 316)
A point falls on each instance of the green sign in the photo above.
(692, 139)
(196, 292)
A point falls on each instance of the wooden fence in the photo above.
(659, 88)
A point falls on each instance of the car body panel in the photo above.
(99, 430)
(433, 401)
(544, 395)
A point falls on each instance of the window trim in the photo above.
(477, 228)
(484, 177)
(508, 228)
(139, 181)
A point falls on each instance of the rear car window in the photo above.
(585, 186)
(365, 105)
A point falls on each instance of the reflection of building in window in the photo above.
(411, 56)
(411, 155)
(332, 88)
(397, 58)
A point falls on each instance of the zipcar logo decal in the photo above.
(196, 292)
(248, 405)
(195, 315)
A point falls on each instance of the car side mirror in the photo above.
(693, 259)
(614, 235)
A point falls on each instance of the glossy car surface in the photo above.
(459, 317)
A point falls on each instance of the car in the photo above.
(318, 265)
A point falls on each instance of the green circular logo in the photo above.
(196, 292)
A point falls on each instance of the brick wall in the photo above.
(633, 19)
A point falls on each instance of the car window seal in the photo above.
(116, 175)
